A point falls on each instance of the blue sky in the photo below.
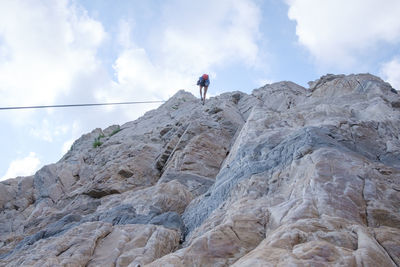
(74, 51)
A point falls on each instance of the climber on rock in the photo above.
(203, 82)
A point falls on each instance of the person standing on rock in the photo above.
(203, 82)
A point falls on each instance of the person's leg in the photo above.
(201, 93)
(205, 92)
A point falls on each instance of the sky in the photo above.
(95, 51)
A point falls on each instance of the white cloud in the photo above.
(189, 43)
(66, 146)
(137, 76)
(262, 82)
(48, 130)
(338, 32)
(125, 33)
(22, 167)
(196, 41)
(75, 131)
(45, 46)
(390, 72)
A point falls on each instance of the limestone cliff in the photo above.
(286, 176)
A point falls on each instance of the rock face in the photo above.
(286, 176)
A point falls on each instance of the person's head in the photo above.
(205, 76)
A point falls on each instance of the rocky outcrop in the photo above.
(286, 176)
